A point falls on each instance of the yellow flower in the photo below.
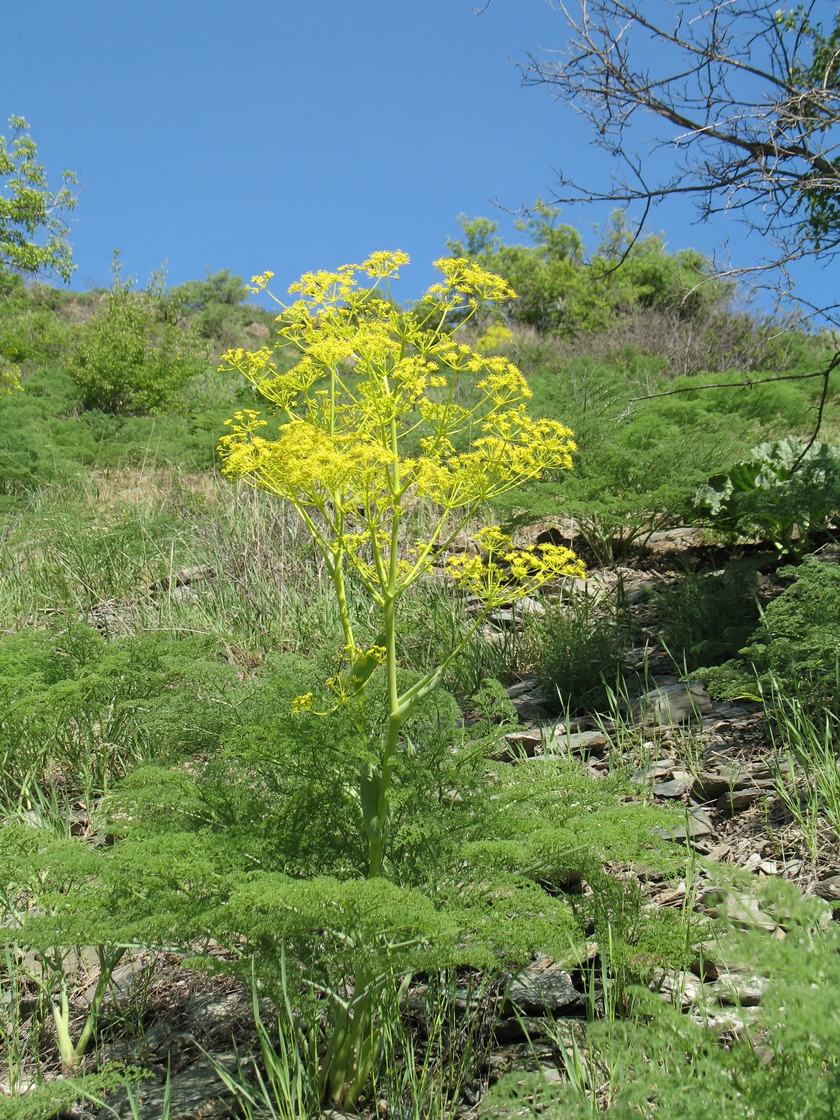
(384, 263)
(501, 573)
(468, 278)
(259, 283)
(373, 410)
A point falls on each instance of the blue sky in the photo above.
(295, 135)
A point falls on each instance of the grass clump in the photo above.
(50, 1099)
(578, 647)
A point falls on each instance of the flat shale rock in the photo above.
(678, 787)
(518, 1027)
(544, 988)
(583, 742)
(696, 825)
(681, 989)
(670, 705)
(533, 709)
(520, 688)
(519, 744)
(197, 1093)
(215, 1017)
(829, 889)
(709, 785)
(738, 991)
(653, 771)
(738, 800)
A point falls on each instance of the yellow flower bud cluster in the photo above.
(304, 703)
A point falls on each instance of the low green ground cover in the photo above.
(159, 624)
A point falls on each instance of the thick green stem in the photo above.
(392, 738)
(396, 717)
(71, 1055)
(350, 1055)
(337, 575)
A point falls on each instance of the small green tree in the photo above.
(134, 355)
(217, 287)
(33, 232)
(547, 275)
(563, 291)
(218, 308)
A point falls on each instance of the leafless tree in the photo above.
(749, 101)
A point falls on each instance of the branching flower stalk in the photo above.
(367, 424)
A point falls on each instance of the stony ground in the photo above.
(712, 758)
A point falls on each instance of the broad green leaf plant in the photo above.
(386, 409)
(783, 490)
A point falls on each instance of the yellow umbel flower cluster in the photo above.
(384, 407)
(500, 572)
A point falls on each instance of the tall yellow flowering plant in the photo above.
(384, 409)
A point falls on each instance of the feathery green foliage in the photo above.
(796, 641)
(709, 616)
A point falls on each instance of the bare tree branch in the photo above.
(748, 383)
(748, 97)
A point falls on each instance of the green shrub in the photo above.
(561, 290)
(79, 710)
(219, 288)
(624, 484)
(134, 356)
(709, 616)
(217, 309)
(780, 1063)
(796, 644)
(31, 334)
